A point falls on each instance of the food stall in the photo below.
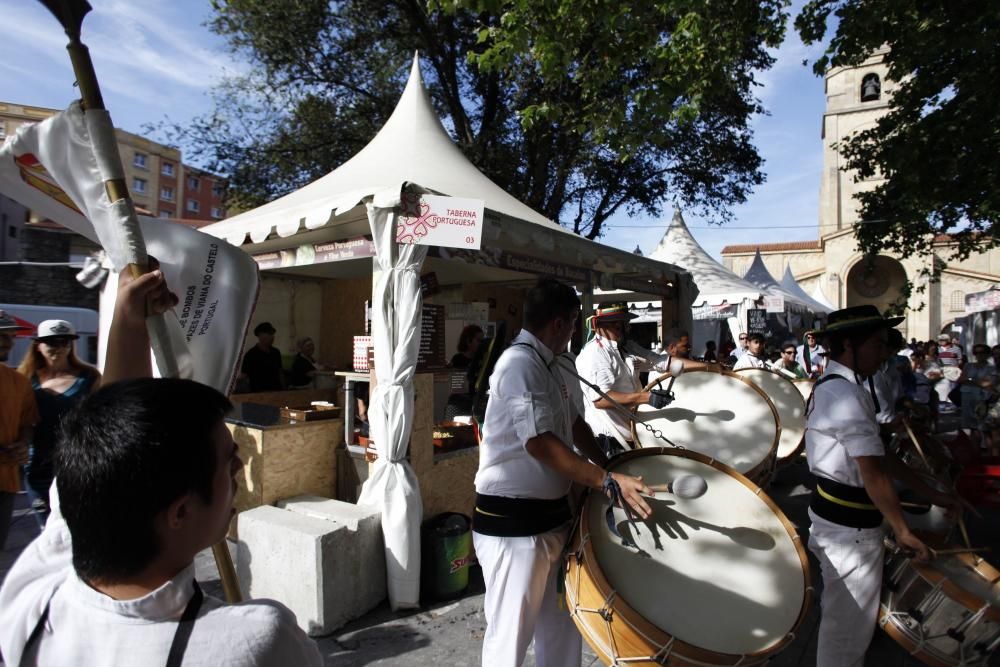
(331, 247)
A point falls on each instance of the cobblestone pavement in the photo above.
(450, 633)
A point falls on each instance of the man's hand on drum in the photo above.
(633, 489)
(913, 544)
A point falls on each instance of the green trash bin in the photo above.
(447, 543)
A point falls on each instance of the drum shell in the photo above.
(790, 410)
(626, 632)
(908, 587)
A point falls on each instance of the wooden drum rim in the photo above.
(802, 440)
(766, 467)
(967, 599)
(646, 627)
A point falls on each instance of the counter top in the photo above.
(260, 416)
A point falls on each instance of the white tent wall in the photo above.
(294, 307)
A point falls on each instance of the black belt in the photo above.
(843, 504)
(500, 516)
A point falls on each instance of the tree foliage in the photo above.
(579, 109)
(938, 147)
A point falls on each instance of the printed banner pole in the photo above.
(70, 14)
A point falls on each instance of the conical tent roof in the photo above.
(819, 297)
(716, 284)
(412, 146)
(790, 285)
(758, 275)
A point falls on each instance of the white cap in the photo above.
(54, 328)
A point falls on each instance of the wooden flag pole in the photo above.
(70, 14)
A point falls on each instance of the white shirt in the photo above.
(840, 427)
(87, 627)
(528, 396)
(601, 364)
(749, 360)
(888, 390)
(815, 361)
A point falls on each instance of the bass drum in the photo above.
(721, 579)
(791, 407)
(718, 413)
(946, 612)
(805, 387)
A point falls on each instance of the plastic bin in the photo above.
(447, 544)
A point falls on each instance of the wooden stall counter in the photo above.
(283, 458)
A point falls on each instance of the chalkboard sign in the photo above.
(757, 321)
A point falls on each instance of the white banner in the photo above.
(57, 168)
(451, 222)
(774, 304)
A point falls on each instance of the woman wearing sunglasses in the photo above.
(60, 381)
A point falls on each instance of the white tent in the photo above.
(820, 298)
(796, 310)
(722, 295)
(790, 285)
(413, 151)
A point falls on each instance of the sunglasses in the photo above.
(56, 342)
(788, 351)
(743, 337)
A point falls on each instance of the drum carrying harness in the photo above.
(841, 503)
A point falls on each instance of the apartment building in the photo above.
(158, 179)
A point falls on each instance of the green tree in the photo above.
(938, 146)
(579, 109)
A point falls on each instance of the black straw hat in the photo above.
(857, 317)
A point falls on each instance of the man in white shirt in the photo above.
(146, 481)
(816, 361)
(854, 491)
(612, 363)
(754, 358)
(526, 465)
(950, 358)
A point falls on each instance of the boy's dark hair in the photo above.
(126, 453)
(757, 337)
(546, 301)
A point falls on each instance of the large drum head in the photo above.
(805, 387)
(723, 573)
(717, 413)
(791, 407)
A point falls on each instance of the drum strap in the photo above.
(844, 504)
(501, 516)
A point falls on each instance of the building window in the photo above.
(194, 183)
(193, 205)
(139, 160)
(958, 301)
(167, 169)
(871, 88)
(166, 214)
(166, 194)
(139, 185)
(218, 189)
(217, 213)
(3, 130)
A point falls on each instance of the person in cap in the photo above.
(814, 367)
(60, 380)
(854, 492)
(612, 362)
(950, 357)
(145, 481)
(754, 357)
(527, 463)
(262, 366)
(18, 414)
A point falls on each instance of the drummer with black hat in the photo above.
(612, 363)
(854, 493)
(262, 363)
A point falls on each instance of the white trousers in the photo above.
(522, 601)
(851, 561)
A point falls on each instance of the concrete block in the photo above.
(321, 558)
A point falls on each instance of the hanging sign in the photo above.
(757, 321)
(774, 304)
(433, 220)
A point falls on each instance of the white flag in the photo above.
(57, 168)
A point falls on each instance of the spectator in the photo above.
(262, 362)
(60, 381)
(754, 357)
(921, 392)
(977, 383)
(816, 362)
(710, 352)
(305, 370)
(677, 344)
(468, 343)
(18, 414)
(787, 365)
(950, 357)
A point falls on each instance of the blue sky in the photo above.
(155, 59)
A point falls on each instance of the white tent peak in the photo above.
(758, 275)
(820, 298)
(716, 284)
(412, 147)
(791, 285)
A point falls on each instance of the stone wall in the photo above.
(44, 285)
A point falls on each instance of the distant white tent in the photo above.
(722, 295)
(819, 297)
(758, 275)
(790, 285)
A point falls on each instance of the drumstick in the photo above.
(916, 443)
(685, 486)
(955, 552)
(965, 533)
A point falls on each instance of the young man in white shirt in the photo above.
(854, 490)
(526, 465)
(613, 363)
(816, 362)
(145, 481)
(754, 358)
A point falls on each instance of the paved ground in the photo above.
(451, 633)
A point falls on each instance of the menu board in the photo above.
(757, 321)
(432, 353)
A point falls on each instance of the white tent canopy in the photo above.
(821, 299)
(790, 285)
(758, 275)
